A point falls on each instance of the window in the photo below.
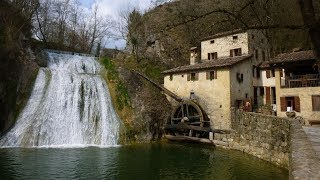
(239, 77)
(273, 93)
(258, 72)
(211, 75)
(212, 41)
(315, 102)
(213, 55)
(272, 73)
(235, 52)
(193, 76)
(290, 103)
(263, 56)
(257, 54)
(253, 71)
(235, 38)
(261, 91)
(192, 95)
(171, 77)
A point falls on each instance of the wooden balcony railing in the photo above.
(297, 81)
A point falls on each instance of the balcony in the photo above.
(299, 81)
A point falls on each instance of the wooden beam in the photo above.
(165, 90)
(188, 138)
(184, 126)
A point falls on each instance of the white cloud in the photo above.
(112, 8)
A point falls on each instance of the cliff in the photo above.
(18, 67)
(142, 108)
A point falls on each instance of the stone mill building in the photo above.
(220, 74)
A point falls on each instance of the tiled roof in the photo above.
(294, 56)
(227, 33)
(221, 62)
(265, 64)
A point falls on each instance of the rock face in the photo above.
(16, 79)
(18, 67)
(150, 108)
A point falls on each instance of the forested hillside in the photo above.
(169, 30)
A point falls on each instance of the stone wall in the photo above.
(263, 136)
(304, 164)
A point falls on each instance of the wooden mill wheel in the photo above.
(189, 112)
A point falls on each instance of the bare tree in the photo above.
(64, 25)
(130, 25)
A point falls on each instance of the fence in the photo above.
(308, 80)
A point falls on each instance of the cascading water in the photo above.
(70, 105)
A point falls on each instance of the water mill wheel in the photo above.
(188, 119)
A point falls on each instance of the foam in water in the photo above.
(70, 105)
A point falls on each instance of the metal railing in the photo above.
(297, 81)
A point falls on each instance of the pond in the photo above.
(146, 161)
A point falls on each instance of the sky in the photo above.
(112, 8)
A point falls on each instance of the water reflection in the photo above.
(157, 161)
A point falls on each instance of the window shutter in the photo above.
(197, 77)
(231, 53)
(188, 77)
(208, 75)
(297, 104)
(283, 104)
(240, 52)
(315, 102)
(268, 74)
(281, 73)
(215, 74)
(268, 95)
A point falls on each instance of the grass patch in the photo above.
(122, 98)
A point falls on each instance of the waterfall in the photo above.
(70, 105)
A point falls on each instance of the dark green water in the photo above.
(155, 161)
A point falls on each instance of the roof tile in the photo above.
(221, 62)
(294, 56)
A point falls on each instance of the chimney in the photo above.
(193, 55)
